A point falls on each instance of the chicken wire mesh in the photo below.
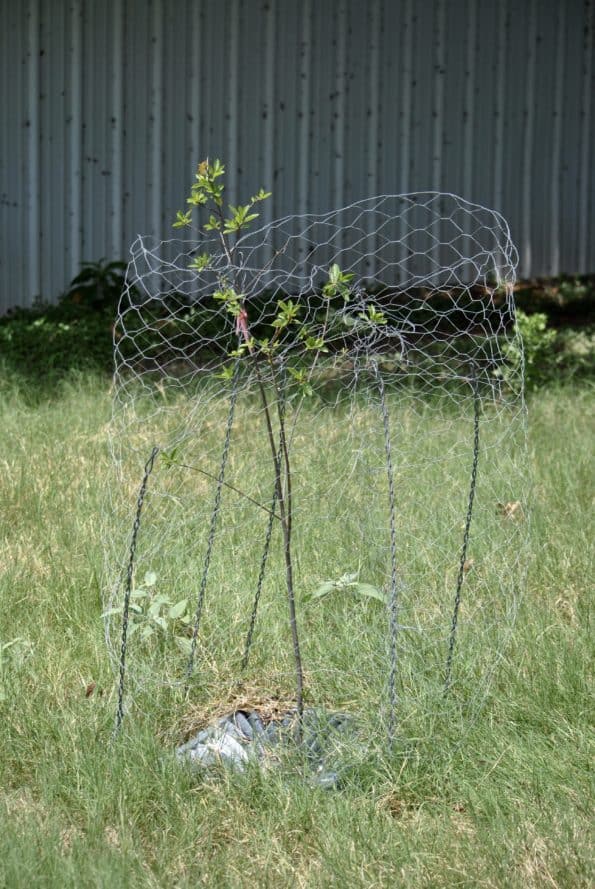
(386, 417)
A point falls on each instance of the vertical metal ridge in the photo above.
(585, 126)
(528, 138)
(195, 78)
(469, 109)
(405, 137)
(406, 134)
(500, 106)
(338, 123)
(304, 108)
(234, 89)
(33, 150)
(374, 95)
(5, 267)
(76, 119)
(438, 109)
(372, 121)
(117, 128)
(11, 272)
(269, 123)
(155, 116)
(558, 112)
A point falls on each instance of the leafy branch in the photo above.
(286, 328)
(208, 191)
(347, 583)
(154, 616)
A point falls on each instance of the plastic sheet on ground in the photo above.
(243, 737)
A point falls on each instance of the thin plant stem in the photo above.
(228, 485)
(287, 530)
(284, 494)
(285, 512)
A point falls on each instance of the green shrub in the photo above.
(44, 342)
(551, 355)
(575, 353)
(567, 300)
(98, 286)
(538, 345)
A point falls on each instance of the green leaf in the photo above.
(334, 274)
(197, 198)
(370, 592)
(372, 315)
(200, 262)
(185, 645)
(216, 169)
(161, 623)
(225, 374)
(231, 299)
(150, 578)
(347, 579)
(213, 224)
(261, 196)
(337, 283)
(323, 590)
(176, 611)
(169, 457)
(157, 604)
(348, 582)
(315, 343)
(6, 646)
(183, 219)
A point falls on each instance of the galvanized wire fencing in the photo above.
(334, 508)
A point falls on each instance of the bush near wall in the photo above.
(568, 301)
(46, 341)
(556, 318)
(43, 343)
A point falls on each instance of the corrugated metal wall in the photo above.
(108, 106)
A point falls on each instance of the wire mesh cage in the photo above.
(354, 378)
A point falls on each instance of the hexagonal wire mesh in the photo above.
(399, 401)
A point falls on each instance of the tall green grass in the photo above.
(509, 806)
(341, 524)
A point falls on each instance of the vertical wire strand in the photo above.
(265, 550)
(393, 604)
(261, 576)
(129, 580)
(213, 522)
(464, 548)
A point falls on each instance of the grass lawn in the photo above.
(510, 806)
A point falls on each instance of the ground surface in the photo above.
(509, 807)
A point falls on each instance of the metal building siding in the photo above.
(107, 107)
